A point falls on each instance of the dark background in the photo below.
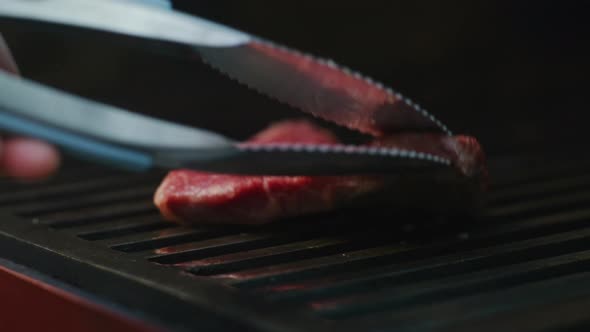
(512, 73)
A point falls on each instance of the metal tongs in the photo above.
(110, 134)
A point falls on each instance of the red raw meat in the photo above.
(197, 197)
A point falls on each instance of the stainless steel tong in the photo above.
(109, 134)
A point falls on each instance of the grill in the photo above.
(523, 265)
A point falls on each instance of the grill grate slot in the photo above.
(249, 243)
(476, 307)
(214, 246)
(387, 255)
(347, 282)
(313, 267)
(375, 299)
(267, 256)
(121, 231)
(113, 224)
(96, 214)
(539, 190)
(67, 175)
(57, 192)
(542, 206)
(161, 239)
(86, 201)
(519, 173)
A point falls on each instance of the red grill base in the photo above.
(29, 304)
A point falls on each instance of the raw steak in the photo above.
(197, 197)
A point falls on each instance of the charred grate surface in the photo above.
(528, 253)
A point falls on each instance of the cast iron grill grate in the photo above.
(528, 254)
